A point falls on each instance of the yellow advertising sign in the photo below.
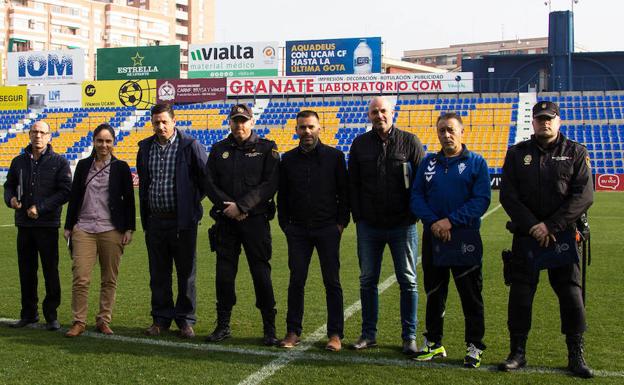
(13, 98)
(119, 93)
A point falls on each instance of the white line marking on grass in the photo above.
(269, 369)
(287, 357)
(320, 357)
(491, 211)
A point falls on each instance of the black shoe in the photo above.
(53, 325)
(24, 322)
(576, 361)
(516, 360)
(268, 326)
(220, 333)
(269, 339)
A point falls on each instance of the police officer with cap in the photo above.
(241, 180)
(546, 187)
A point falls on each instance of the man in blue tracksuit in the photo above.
(451, 192)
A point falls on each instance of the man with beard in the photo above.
(546, 187)
(313, 211)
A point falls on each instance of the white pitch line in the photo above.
(491, 211)
(287, 357)
(269, 369)
(327, 357)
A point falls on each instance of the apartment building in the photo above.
(55, 24)
(450, 58)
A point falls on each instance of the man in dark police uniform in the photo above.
(546, 187)
(241, 179)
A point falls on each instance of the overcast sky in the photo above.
(414, 24)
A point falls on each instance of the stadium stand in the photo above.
(490, 124)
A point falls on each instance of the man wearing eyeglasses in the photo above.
(38, 184)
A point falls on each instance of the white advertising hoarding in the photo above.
(55, 96)
(233, 60)
(41, 67)
(353, 84)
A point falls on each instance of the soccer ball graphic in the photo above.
(130, 93)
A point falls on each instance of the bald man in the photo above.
(382, 165)
(38, 184)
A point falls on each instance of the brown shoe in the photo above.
(76, 329)
(103, 328)
(154, 330)
(187, 332)
(334, 344)
(290, 341)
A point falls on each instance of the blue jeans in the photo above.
(403, 242)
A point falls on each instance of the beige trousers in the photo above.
(87, 249)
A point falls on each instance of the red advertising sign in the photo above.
(352, 84)
(190, 90)
(609, 182)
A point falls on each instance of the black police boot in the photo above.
(222, 331)
(516, 359)
(268, 323)
(576, 362)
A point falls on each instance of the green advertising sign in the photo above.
(154, 62)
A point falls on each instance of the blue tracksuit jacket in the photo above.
(456, 188)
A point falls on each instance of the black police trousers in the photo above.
(301, 243)
(469, 283)
(565, 281)
(254, 234)
(34, 243)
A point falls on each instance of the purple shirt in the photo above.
(94, 216)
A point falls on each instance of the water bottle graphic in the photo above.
(362, 58)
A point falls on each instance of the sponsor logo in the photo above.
(137, 68)
(90, 90)
(561, 248)
(226, 53)
(130, 93)
(468, 248)
(167, 91)
(609, 181)
(430, 172)
(269, 52)
(52, 65)
(54, 95)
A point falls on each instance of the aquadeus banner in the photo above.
(360, 55)
(152, 62)
(41, 67)
(353, 84)
(233, 60)
(118, 93)
(191, 90)
(13, 98)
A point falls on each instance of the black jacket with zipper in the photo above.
(379, 195)
(47, 186)
(120, 194)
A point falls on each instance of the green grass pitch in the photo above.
(36, 356)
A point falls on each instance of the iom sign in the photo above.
(40, 67)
